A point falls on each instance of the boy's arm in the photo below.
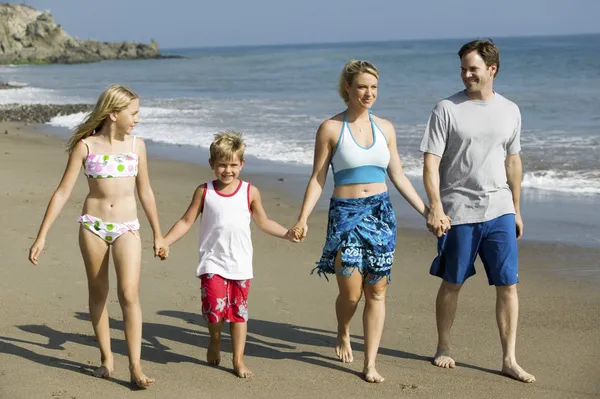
(261, 219)
(183, 225)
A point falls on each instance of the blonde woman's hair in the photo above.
(114, 99)
(350, 70)
(226, 145)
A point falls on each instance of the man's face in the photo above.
(475, 74)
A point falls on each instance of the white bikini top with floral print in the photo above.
(97, 166)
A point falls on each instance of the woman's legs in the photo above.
(373, 320)
(350, 291)
(127, 257)
(94, 251)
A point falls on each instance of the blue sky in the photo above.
(202, 23)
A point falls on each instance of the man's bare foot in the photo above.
(105, 370)
(241, 370)
(213, 353)
(371, 375)
(140, 379)
(343, 350)
(513, 370)
(442, 359)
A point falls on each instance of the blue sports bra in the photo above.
(354, 164)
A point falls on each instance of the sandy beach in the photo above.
(47, 346)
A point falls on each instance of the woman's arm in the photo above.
(58, 199)
(396, 173)
(322, 157)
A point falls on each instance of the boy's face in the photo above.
(227, 170)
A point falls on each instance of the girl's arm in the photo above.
(322, 157)
(261, 219)
(58, 199)
(183, 225)
(146, 194)
(396, 173)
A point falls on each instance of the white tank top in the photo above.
(225, 246)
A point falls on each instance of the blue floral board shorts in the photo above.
(363, 230)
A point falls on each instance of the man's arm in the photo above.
(514, 176)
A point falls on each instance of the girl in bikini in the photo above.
(115, 164)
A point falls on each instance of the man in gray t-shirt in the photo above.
(472, 176)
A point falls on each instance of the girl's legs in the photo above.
(94, 251)
(127, 257)
(213, 353)
(350, 291)
(373, 320)
(238, 332)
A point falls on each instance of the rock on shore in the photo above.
(39, 113)
(31, 36)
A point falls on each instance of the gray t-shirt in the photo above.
(473, 138)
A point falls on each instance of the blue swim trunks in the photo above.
(496, 243)
(364, 231)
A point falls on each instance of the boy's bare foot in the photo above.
(140, 379)
(443, 359)
(343, 350)
(213, 353)
(513, 370)
(105, 370)
(371, 375)
(241, 370)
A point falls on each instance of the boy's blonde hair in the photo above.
(350, 70)
(114, 99)
(226, 145)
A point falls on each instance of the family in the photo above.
(472, 176)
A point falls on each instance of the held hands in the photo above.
(36, 250)
(437, 222)
(161, 249)
(298, 232)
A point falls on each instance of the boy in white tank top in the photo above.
(227, 205)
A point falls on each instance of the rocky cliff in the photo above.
(31, 36)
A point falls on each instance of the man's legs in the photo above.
(499, 253)
(445, 311)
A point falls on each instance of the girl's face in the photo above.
(127, 118)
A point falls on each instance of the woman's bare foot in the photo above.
(241, 370)
(213, 353)
(443, 359)
(105, 370)
(371, 375)
(140, 379)
(513, 370)
(343, 349)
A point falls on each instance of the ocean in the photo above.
(278, 95)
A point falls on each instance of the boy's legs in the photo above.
(238, 332)
(499, 254)
(237, 315)
(213, 353)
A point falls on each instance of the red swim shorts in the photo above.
(224, 299)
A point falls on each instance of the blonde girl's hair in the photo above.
(114, 99)
(226, 145)
(350, 70)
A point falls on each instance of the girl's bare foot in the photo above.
(513, 370)
(105, 370)
(213, 353)
(241, 370)
(343, 350)
(140, 379)
(442, 359)
(371, 375)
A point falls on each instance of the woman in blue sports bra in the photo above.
(361, 232)
(115, 164)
